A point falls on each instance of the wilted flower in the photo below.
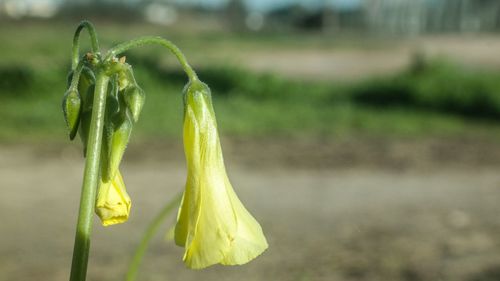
(113, 203)
(212, 225)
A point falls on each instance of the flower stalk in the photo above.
(90, 181)
(94, 44)
(155, 40)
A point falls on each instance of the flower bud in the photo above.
(134, 98)
(72, 106)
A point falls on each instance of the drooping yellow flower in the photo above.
(212, 224)
(113, 203)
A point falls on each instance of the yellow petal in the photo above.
(113, 203)
(213, 225)
(249, 240)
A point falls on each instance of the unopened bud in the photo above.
(72, 107)
(134, 98)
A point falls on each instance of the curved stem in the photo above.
(150, 40)
(90, 181)
(76, 75)
(94, 45)
(148, 235)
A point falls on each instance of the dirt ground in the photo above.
(411, 211)
(362, 59)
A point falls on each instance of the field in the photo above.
(365, 159)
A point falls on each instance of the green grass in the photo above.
(264, 105)
(434, 98)
(438, 86)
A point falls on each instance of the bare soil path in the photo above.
(343, 223)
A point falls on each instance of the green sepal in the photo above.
(117, 129)
(87, 79)
(107, 136)
(72, 107)
(88, 99)
(112, 102)
(118, 144)
(116, 137)
(112, 110)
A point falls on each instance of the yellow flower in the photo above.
(212, 224)
(113, 203)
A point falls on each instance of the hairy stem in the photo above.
(155, 40)
(90, 181)
(94, 45)
(148, 235)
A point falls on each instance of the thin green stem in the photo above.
(76, 75)
(90, 181)
(94, 45)
(150, 40)
(148, 235)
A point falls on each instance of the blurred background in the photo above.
(362, 134)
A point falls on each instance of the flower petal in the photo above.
(250, 241)
(212, 225)
(113, 203)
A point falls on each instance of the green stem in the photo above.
(150, 40)
(94, 45)
(148, 235)
(76, 76)
(90, 181)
